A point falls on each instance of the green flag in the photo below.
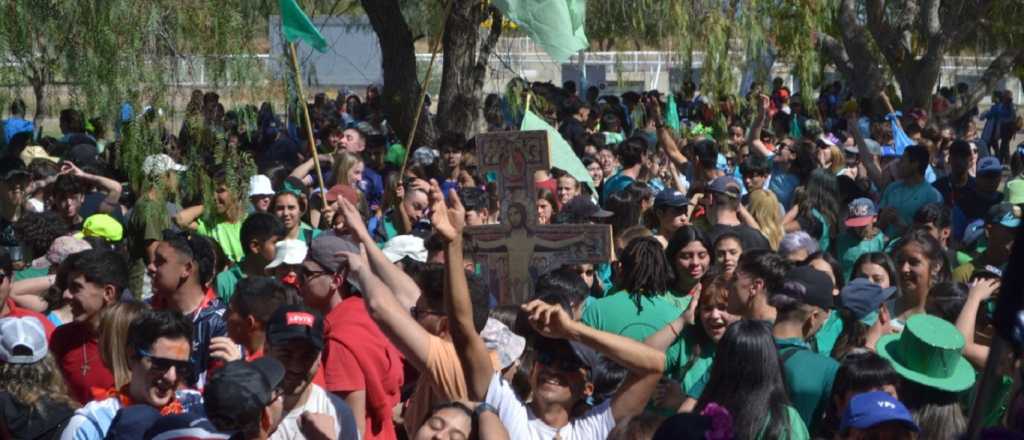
(557, 26)
(562, 155)
(297, 26)
(672, 115)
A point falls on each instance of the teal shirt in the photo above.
(797, 427)
(825, 242)
(825, 338)
(613, 185)
(307, 233)
(809, 378)
(29, 273)
(678, 364)
(622, 314)
(849, 248)
(227, 281)
(908, 199)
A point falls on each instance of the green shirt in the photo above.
(797, 427)
(227, 280)
(809, 377)
(963, 272)
(678, 363)
(826, 234)
(825, 338)
(849, 248)
(635, 317)
(227, 235)
(30, 272)
(307, 233)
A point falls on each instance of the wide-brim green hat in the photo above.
(928, 352)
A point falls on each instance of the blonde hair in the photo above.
(764, 207)
(343, 163)
(838, 159)
(113, 330)
(30, 384)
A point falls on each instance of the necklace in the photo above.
(85, 360)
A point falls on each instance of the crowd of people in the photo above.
(808, 273)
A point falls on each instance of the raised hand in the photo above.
(550, 320)
(353, 221)
(439, 215)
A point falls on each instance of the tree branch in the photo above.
(487, 48)
(1000, 67)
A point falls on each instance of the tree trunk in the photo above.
(39, 91)
(917, 82)
(465, 66)
(401, 92)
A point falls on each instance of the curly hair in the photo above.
(37, 230)
(32, 384)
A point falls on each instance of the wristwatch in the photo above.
(484, 407)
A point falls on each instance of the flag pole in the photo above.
(309, 125)
(426, 82)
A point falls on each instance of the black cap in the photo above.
(291, 322)
(185, 426)
(809, 286)
(726, 185)
(567, 350)
(133, 421)
(861, 297)
(583, 207)
(83, 154)
(235, 396)
(671, 197)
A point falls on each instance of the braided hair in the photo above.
(645, 269)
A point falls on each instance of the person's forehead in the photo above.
(171, 348)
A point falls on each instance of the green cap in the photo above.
(928, 352)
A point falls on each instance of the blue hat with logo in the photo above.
(1003, 214)
(989, 165)
(871, 409)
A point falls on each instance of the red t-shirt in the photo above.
(357, 356)
(76, 350)
(18, 312)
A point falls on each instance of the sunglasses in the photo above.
(417, 312)
(587, 272)
(559, 363)
(162, 365)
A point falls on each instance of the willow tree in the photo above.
(103, 53)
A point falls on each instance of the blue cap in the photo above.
(988, 165)
(870, 409)
(726, 185)
(1003, 214)
(671, 197)
(861, 297)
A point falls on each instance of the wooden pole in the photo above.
(426, 82)
(309, 124)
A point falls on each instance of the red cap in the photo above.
(347, 192)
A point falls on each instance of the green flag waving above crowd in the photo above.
(556, 25)
(562, 155)
(297, 26)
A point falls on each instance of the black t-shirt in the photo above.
(23, 421)
(950, 194)
(750, 238)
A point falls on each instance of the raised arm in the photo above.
(644, 363)
(981, 290)
(302, 171)
(405, 290)
(869, 160)
(110, 186)
(393, 319)
(754, 136)
(188, 218)
(665, 138)
(476, 361)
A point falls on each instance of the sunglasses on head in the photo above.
(162, 365)
(559, 363)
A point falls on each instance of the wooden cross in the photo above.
(516, 251)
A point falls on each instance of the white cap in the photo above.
(499, 338)
(289, 252)
(259, 185)
(24, 333)
(160, 163)
(403, 246)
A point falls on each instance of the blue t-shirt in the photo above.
(613, 185)
(15, 125)
(908, 199)
(783, 184)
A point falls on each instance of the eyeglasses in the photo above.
(558, 363)
(162, 365)
(417, 312)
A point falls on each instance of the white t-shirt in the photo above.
(317, 403)
(521, 423)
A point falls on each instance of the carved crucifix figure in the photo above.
(517, 250)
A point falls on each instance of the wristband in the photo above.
(484, 407)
